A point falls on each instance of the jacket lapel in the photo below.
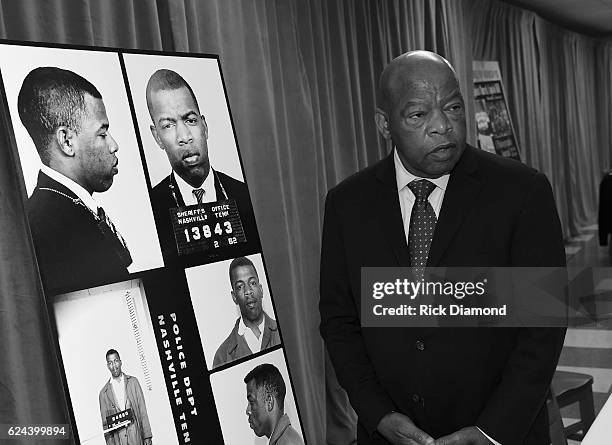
(266, 332)
(111, 395)
(463, 188)
(177, 191)
(389, 211)
(128, 403)
(45, 181)
(219, 189)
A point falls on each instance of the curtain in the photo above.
(558, 85)
(603, 85)
(29, 373)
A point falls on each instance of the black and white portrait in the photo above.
(233, 309)
(88, 206)
(191, 153)
(256, 410)
(111, 364)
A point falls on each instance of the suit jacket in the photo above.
(285, 434)
(605, 209)
(495, 212)
(140, 428)
(235, 346)
(162, 200)
(72, 252)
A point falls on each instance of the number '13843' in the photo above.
(197, 233)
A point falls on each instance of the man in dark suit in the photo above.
(76, 244)
(436, 201)
(605, 208)
(181, 131)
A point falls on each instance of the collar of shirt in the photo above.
(249, 336)
(118, 381)
(75, 188)
(406, 197)
(282, 424)
(242, 327)
(210, 194)
(404, 177)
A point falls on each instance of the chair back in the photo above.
(557, 435)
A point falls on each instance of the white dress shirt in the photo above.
(186, 190)
(75, 188)
(407, 199)
(119, 391)
(250, 337)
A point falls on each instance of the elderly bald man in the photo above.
(437, 201)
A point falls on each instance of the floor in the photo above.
(588, 347)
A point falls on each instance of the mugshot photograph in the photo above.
(122, 394)
(114, 376)
(81, 167)
(256, 404)
(178, 124)
(243, 320)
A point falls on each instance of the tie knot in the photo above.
(198, 193)
(421, 188)
(101, 214)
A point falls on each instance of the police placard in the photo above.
(205, 227)
(121, 418)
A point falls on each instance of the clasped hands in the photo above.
(400, 430)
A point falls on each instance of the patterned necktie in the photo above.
(422, 225)
(199, 194)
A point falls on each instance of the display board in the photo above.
(147, 246)
(493, 123)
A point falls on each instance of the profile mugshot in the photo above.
(254, 330)
(77, 245)
(181, 131)
(435, 201)
(265, 410)
(121, 393)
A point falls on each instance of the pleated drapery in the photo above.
(559, 87)
(302, 84)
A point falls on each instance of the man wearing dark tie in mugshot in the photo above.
(266, 406)
(181, 131)
(436, 201)
(122, 393)
(254, 330)
(77, 245)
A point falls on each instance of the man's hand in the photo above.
(465, 436)
(148, 441)
(399, 430)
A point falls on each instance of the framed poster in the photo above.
(493, 124)
(146, 243)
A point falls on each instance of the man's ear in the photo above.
(233, 297)
(205, 126)
(270, 402)
(156, 136)
(382, 123)
(64, 137)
